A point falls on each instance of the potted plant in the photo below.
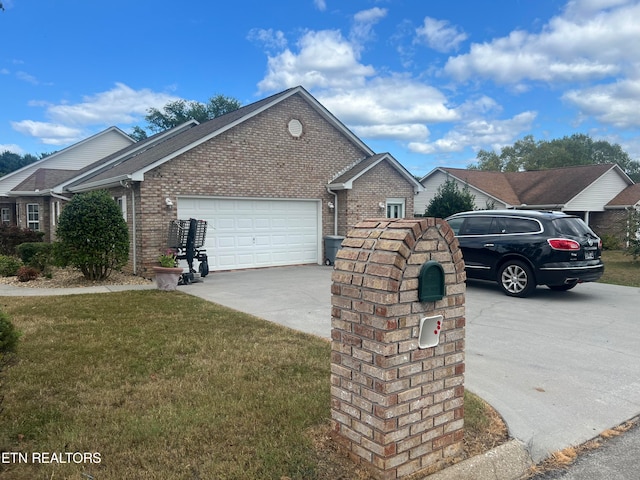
(168, 273)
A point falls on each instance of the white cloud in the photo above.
(271, 39)
(11, 147)
(25, 77)
(320, 5)
(569, 48)
(324, 60)
(69, 122)
(437, 34)
(478, 134)
(121, 104)
(49, 133)
(393, 100)
(616, 103)
(363, 23)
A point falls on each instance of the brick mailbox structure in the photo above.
(396, 404)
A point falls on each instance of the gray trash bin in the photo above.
(332, 244)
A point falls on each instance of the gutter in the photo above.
(335, 210)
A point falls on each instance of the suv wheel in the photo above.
(516, 279)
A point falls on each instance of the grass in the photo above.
(163, 385)
(620, 268)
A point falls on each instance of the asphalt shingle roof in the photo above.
(538, 187)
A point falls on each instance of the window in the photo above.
(395, 208)
(55, 212)
(521, 225)
(122, 203)
(480, 226)
(33, 216)
(6, 216)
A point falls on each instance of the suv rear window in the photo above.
(571, 226)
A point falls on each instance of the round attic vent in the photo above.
(295, 127)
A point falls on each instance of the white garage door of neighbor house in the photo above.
(250, 233)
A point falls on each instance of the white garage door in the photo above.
(250, 233)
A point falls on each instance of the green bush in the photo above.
(36, 254)
(9, 265)
(92, 235)
(610, 242)
(12, 236)
(449, 199)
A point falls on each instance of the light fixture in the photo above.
(331, 205)
(168, 203)
(381, 205)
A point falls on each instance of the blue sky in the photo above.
(431, 82)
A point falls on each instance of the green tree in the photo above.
(577, 149)
(449, 199)
(10, 161)
(92, 235)
(180, 111)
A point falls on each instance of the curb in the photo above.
(509, 461)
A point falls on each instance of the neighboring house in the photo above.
(27, 198)
(616, 220)
(272, 179)
(589, 191)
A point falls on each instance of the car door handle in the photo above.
(489, 245)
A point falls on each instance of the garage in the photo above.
(252, 233)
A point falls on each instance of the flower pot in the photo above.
(167, 277)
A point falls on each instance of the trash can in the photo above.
(332, 244)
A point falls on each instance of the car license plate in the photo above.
(589, 255)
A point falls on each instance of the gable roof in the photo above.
(134, 165)
(555, 186)
(344, 181)
(68, 157)
(629, 197)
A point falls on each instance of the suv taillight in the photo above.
(563, 244)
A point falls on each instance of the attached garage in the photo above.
(252, 232)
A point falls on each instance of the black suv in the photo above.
(523, 248)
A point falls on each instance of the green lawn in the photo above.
(620, 268)
(162, 386)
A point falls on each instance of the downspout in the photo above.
(127, 184)
(135, 243)
(335, 210)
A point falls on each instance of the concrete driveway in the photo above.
(560, 367)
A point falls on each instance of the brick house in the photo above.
(598, 193)
(29, 197)
(272, 179)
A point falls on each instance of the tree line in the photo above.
(577, 149)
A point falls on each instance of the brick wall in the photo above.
(394, 406)
(611, 222)
(257, 159)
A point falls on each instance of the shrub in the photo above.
(610, 242)
(26, 274)
(9, 265)
(449, 199)
(92, 235)
(36, 254)
(12, 236)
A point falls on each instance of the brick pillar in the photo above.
(395, 406)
